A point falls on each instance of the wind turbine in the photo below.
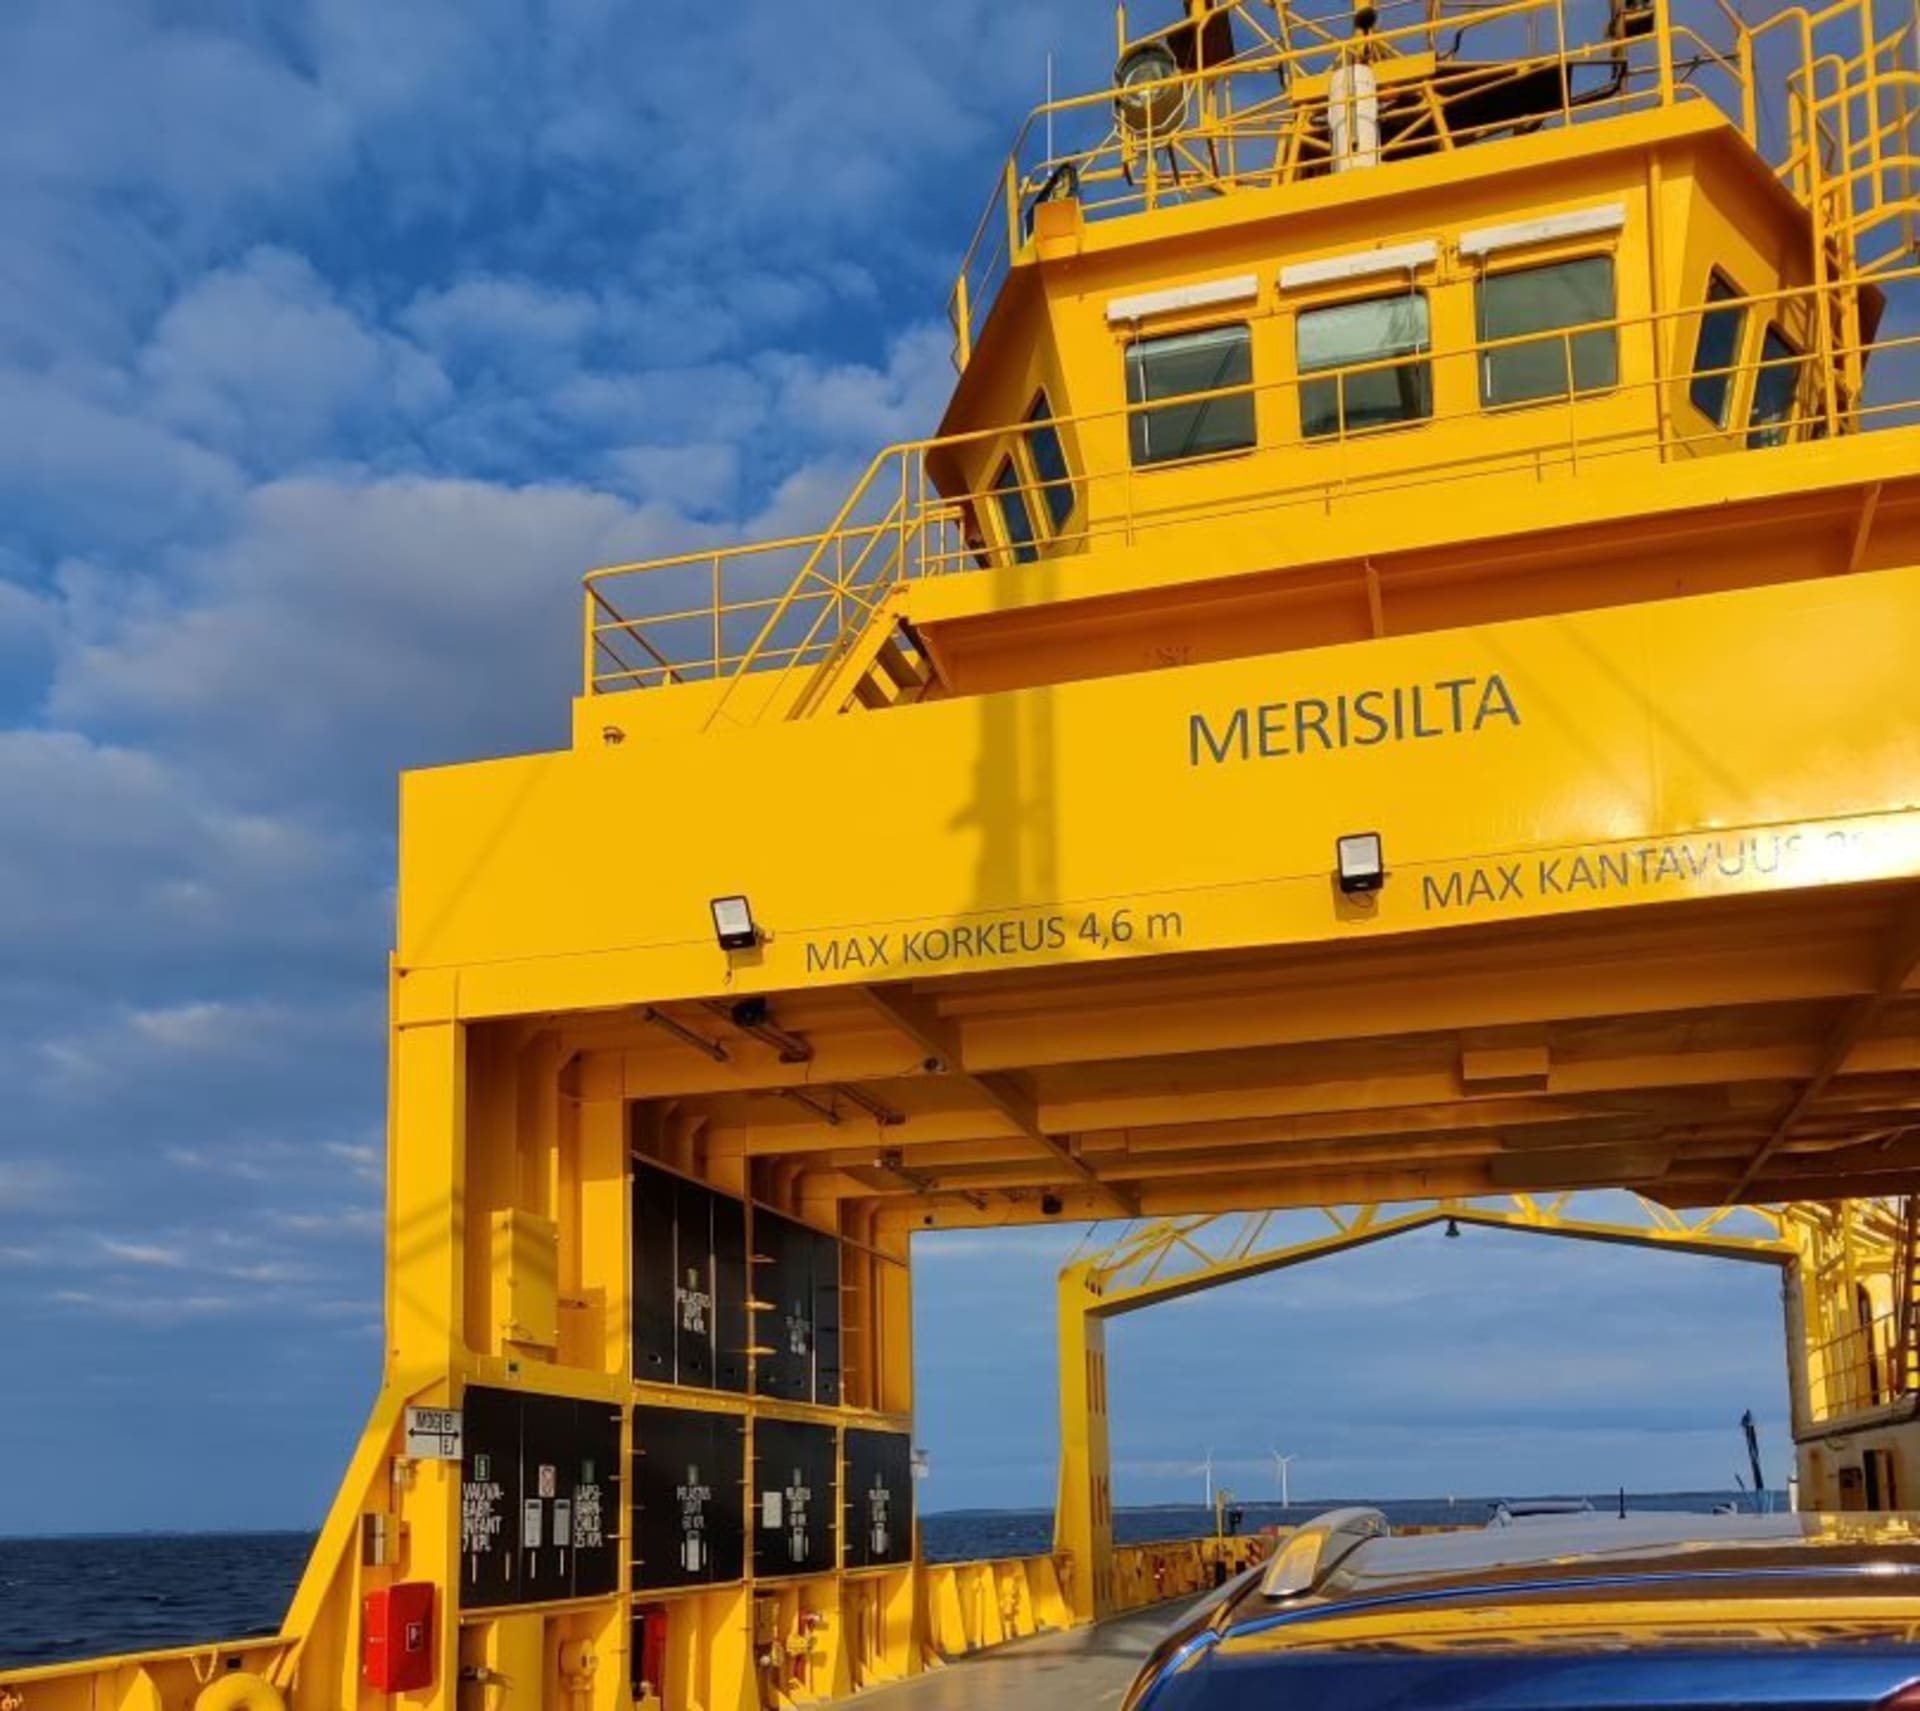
(1280, 1465)
(1206, 1467)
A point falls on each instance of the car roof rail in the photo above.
(1316, 1549)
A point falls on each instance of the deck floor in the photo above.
(1085, 1667)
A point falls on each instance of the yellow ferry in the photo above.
(1393, 690)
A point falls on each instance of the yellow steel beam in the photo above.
(921, 1022)
(1116, 1300)
(1860, 1016)
(1180, 1257)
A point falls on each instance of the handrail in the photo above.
(1249, 122)
(1855, 1370)
(794, 603)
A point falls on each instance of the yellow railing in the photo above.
(1855, 1370)
(972, 1606)
(792, 606)
(1260, 118)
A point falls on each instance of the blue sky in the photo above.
(1495, 1364)
(336, 337)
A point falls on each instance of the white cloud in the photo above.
(142, 1253)
(26, 619)
(356, 627)
(196, 1027)
(66, 452)
(342, 1221)
(267, 1272)
(113, 850)
(260, 361)
(486, 319)
(702, 477)
(148, 1309)
(368, 1163)
(194, 110)
(854, 404)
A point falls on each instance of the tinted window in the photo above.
(1715, 352)
(1049, 463)
(1770, 422)
(1179, 366)
(1345, 335)
(1547, 300)
(1015, 519)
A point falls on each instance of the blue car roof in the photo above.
(1764, 1678)
(1580, 1546)
(1257, 1646)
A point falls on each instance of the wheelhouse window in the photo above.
(1182, 366)
(1716, 351)
(1016, 521)
(1776, 387)
(1049, 458)
(1548, 300)
(1387, 340)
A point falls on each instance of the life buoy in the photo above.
(239, 1691)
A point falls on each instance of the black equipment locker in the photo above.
(596, 1500)
(826, 1320)
(690, 1283)
(540, 1498)
(655, 1202)
(693, 1284)
(796, 1506)
(796, 1277)
(879, 1508)
(489, 1497)
(783, 1329)
(732, 1334)
(689, 1498)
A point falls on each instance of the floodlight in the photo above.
(733, 924)
(1361, 863)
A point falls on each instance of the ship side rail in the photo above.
(313, 1658)
(1854, 1369)
(974, 1605)
(1260, 118)
(794, 605)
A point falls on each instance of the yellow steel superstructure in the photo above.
(1847, 1289)
(1393, 684)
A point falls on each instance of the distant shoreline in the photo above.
(1303, 1505)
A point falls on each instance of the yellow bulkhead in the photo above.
(1394, 682)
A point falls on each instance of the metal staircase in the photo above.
(1906, 1284)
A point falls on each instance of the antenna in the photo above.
(1049, 106)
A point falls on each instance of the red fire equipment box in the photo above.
(396, 1638)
